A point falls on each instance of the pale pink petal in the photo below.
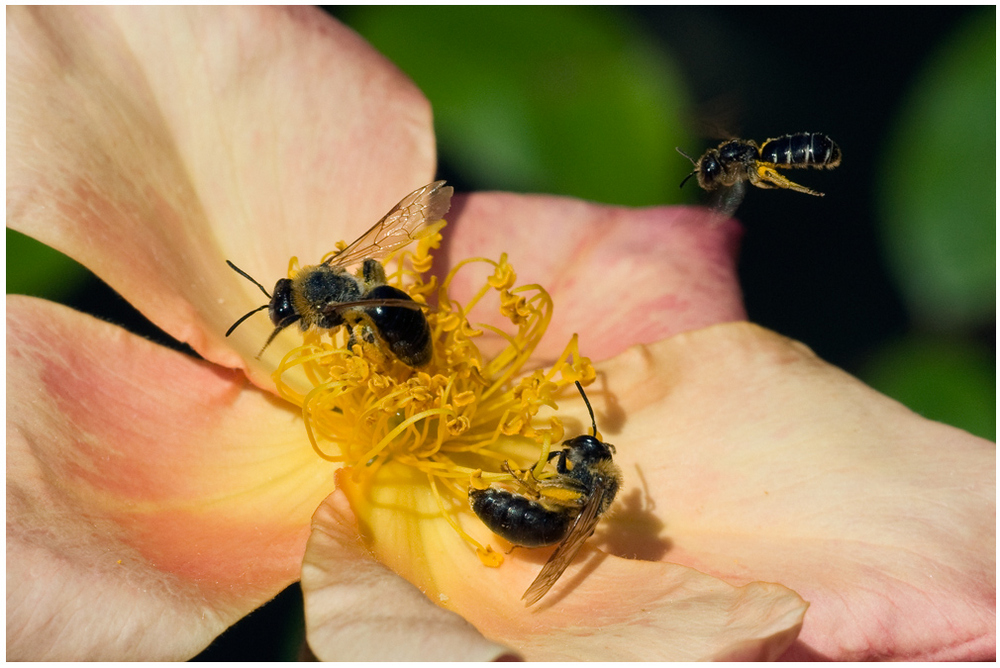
(618, 276)
(359, 610)
(152, 499)
(604, 608)
(749, 458)
(152, 144)
(612, 609)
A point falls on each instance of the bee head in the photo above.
(279, 308)
(707, 168)
(587, 450)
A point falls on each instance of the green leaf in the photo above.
(35, 269)
(944, 380)
(564, 100)
(938, 195)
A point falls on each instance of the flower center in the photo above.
(464, 413)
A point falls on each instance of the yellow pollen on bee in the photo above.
(560, 493)
(456, 420)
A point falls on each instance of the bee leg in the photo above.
(372, 273)
(766, 174)
(351, 339)
(363, 334)
(359, 341)
(528, 485)
(561, 464)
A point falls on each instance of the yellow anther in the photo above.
(367, 409)
(504, 277)
(489, 556)
(464, 398)
(476, 480)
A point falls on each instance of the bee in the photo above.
(563, 509)
(737, 161)
(326, 295)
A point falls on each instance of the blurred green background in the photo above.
(891, 276)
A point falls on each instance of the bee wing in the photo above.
(370, 303)
(398, 227)
(727, 199)
(578, 534)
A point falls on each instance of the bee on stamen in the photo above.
(563, 509)
(327, 296)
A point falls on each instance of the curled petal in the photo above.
(357, 609)
(152, 499)
(603, 607)
(758, 461)
(618, 276)
(152, 144)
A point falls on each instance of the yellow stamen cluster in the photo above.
(466, 412)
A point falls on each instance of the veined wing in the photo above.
(578, 534)
(398, 227)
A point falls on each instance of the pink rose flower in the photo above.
(154, 499)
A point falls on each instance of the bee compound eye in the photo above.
(710, 167)
(281, 306)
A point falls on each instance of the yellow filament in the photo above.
(458, 419)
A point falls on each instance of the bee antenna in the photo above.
(693, 162)
(686, 156)
(238, 322)
(252, 280)
(587, 401)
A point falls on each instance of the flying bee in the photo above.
(563, 509)
(737, 161)
(326, 295)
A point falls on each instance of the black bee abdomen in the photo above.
(404, 330)
(801, 150)
(517, 519)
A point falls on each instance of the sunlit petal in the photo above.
(758, 461)
(152, 499)
(414, 440)
(603, 608)
(153, 144)
(359, 610)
